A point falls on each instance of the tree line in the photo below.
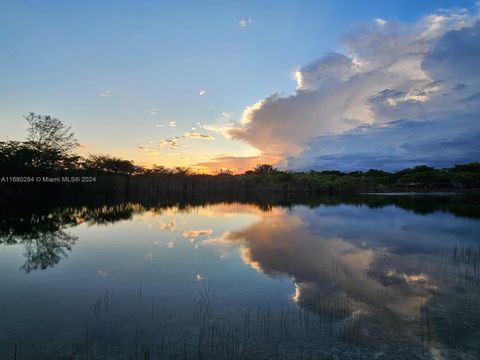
(51, 147)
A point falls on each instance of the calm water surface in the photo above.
(382, 277)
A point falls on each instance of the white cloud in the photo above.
(244, 22)
(174, 142)
(170, 226)
(106, 93)
(380, 22)
(170, 124)
(202, 92)
(424, 71)
(227, 115)
(224, 130)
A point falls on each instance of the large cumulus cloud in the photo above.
(400, 96)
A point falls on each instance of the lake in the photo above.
(371, 276)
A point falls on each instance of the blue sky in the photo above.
(152, 59)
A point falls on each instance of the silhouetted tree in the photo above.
(16, 156)
(46, 132)
(264, 169)
(225, 172)
(179, 170)
(111, 164)
(158, 170)
(51, 141)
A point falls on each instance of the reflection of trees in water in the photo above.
(43, 235)
(379, 297)
(43, 231)
(105, 215)
(40, 225)
(46, 250)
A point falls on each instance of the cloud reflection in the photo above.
(338, 255)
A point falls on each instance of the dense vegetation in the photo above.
(50, 149)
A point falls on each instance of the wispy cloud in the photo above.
(197, 135)
(172, 142)
(170, 124)
(106, 93)
(244, 23)
(224, 130)
(226, 115)
(202, 92)
(225, 125)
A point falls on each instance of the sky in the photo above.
(212, 85)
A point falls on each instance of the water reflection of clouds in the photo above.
(170, 225)
(381, 263)
(102, 273)
(200, 224)
(398, 229)
(374, 259)
(378, 259)
(232, 210)
(388, 265)
(192, 234)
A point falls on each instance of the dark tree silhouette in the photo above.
(158, 170)
(52, 142)
(49, 133)
(183, 171)
(110, 164)
(265, 169)
(16, 156)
